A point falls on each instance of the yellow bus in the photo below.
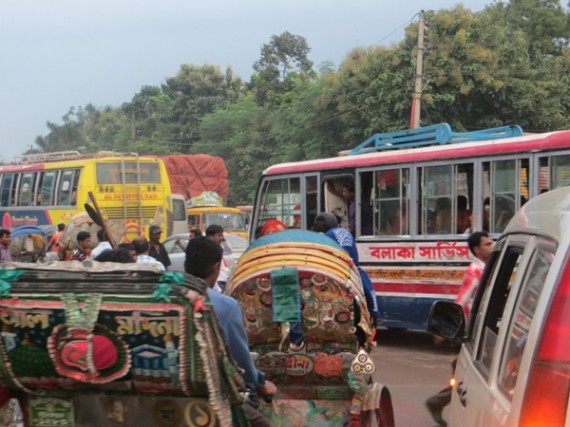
(132, 191)
(230, 219)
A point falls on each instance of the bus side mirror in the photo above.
(446, 319)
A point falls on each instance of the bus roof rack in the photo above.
(431, 135)
(47, 157)
(70, 154)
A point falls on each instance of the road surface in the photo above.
(413, 368)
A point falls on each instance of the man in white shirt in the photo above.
(103, 245)
(141, 248)
(215, 233)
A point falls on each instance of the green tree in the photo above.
(479, 73)
(87, 129)
(148, 127)
(282, 60)
(194, 92)
(242, 135)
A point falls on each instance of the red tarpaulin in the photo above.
(191, 175)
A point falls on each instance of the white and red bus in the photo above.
(418, 195)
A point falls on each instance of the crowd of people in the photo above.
(205, 260)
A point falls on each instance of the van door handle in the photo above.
(462, 393)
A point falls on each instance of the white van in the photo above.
(514, 365)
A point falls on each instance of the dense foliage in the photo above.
(507, 64)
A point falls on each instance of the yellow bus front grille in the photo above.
(134, 212)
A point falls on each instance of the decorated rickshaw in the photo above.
(307, 321)
(29, 243)
(103, 344)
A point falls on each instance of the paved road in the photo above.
(413, 368)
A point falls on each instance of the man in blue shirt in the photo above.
(327, 223)
(203, 258)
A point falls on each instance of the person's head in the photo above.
(84, 240)
(324, 222)
(195, 233)
(215, 233)
(154, 233)
(348, 190)
(203, 258)
(115, 255)
(141, 245)
(5, 236)
(130, 248)
(101, 236)
(60, 226)
(272, 226)
(480, 245)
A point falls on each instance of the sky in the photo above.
(57, 54)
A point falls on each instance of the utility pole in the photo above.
(416, 100)
(133, 132)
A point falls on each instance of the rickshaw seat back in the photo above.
(325, 309)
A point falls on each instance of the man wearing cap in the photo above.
(157, 250)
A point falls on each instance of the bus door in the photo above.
(334, 202)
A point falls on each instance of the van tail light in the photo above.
(546, 396)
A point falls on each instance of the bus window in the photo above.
(128, 173)
(8, 189)
(194, 222)
(543, 175)
(74, 186)
(508, 183)
(25, 196)
(436, 199)
(560, 171)
(278, 200)
(392, 199)
(311, 200)
(65, 187)
(446, 198)
(47, 188)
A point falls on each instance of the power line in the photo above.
(397, 29)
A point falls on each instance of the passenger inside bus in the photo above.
(366, 217)
(463, 215)
(486, 213)
(504, 211)
(443, 215)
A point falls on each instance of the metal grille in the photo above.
(131, 212)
